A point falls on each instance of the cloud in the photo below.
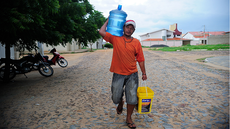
(132, 2)
(152, 15)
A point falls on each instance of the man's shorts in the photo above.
(131, 84)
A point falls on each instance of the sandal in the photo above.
(131, 124)
(119, 111)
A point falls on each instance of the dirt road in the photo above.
(188, 94)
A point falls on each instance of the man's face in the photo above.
(128, 30)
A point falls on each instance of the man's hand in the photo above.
(144, 77)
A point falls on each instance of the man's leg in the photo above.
(131, 86)
(130, 109)
(120, 107)
(117, 91)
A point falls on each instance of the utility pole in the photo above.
(180, 39)
(204, 31)
(204, 36)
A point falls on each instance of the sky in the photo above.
(153, 15)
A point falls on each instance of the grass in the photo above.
(192, 47)
(202, 59)
(84, 48)
(145, 46)
(93, 50)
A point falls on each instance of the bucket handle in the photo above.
(145, 87)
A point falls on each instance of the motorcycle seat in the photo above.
(46, 57)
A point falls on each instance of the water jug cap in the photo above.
(119, 7)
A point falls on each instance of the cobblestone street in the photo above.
(188, 95)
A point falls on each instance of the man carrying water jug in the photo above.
(126, 52)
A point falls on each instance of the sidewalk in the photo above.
(68, 52)
(219, 60)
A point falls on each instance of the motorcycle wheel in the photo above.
(29, 67)
(12, 72)
(62, 62)
(45, 70)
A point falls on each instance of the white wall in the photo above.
(156, 35)
(194, 42)
(60, 48)
(2, 52)
(189, 36)
(170, 33)
(144, 37)
(40, 48)
(100, 43)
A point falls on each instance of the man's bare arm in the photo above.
(142, 66)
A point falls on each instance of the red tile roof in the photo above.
(201, 34)
(210, 33)
(177, 39)
(173, 38)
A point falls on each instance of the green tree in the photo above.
(51, 22)
(70, 19)
(93, 24)
(22, 23)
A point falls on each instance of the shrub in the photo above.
(108, 45)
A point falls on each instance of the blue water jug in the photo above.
(117, 19)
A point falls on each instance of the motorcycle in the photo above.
(25, 65)
(62, 62)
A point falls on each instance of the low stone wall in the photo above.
(168, 43)
(218, 39)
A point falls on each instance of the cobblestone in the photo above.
(187, 95)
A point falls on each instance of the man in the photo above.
(126, 52)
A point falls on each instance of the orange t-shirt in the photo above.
(125, 54)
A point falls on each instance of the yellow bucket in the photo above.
(145, 97)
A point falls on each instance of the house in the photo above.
(173, 27)
(73, 46)
(98, 44)
(69, 47)
(216, 37)
(171, 37)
